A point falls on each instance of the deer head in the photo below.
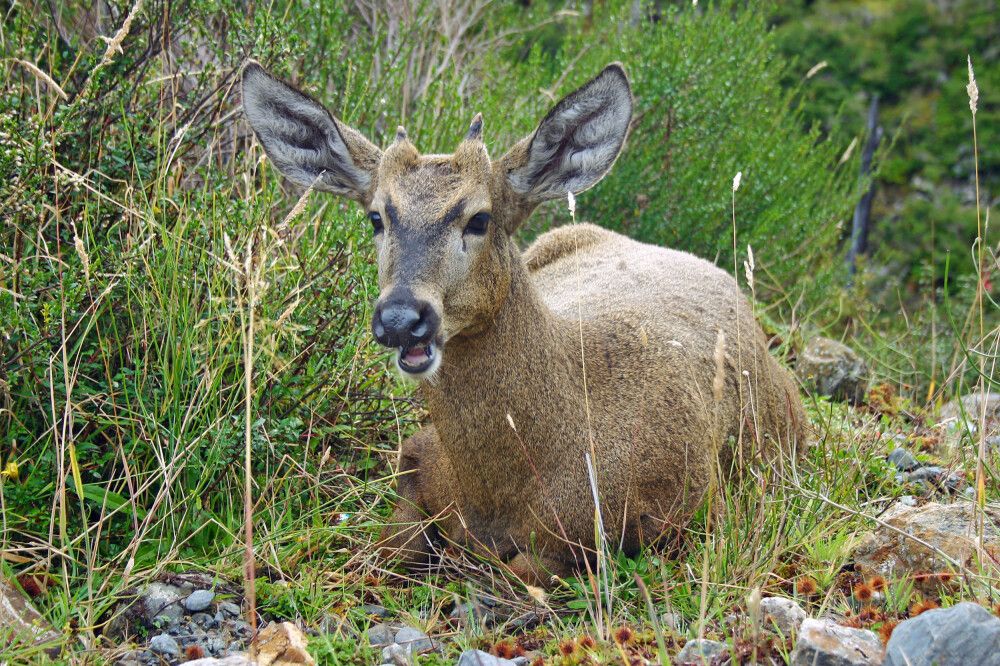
(442, 223)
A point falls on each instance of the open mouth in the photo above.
(417, 359)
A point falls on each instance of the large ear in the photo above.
(307, 144)
(576, 143)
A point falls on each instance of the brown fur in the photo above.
(659, 412)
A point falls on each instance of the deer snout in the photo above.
(411, 326)
(404, 324)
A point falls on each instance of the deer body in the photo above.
(646, 359)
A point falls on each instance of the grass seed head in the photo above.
(623, 635)
(192, 652)
(863, 592)
(878, 583)
(922, 606)
(886, 629)
(806, 586)
(504, 650)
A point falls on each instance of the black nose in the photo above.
(404, 323)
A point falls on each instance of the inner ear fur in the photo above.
(576, 143)
(307, 144)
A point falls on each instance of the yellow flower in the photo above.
(10, 471)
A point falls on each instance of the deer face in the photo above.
(441, 223)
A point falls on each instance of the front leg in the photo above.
(409, 534)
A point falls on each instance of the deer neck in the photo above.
(518, 368)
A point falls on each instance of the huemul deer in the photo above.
(588, 361)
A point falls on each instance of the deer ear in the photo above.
(576, 144)
(307, 144)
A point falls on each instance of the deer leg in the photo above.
(409, 534)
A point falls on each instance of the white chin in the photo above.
(423, 374)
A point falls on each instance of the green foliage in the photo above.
(913, 55)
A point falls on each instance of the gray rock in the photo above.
(19, 618)
(950, 528)
(215, 645)
(166, 645)
(700, 651)
(205, 620)
(672, 621)
(241, 629)
(782, 614)
(375, 609)
(199, 600)
(414, 639)
(971, 404)
(161, 603)
(966, 633)
(908, 500)
(232, 660)
(826, 643)
(833, 369)
(380, 634)
(230, 609)
(903, 460)
(931, 474)
(397, 655)
(480, 658)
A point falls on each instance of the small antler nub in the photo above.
(476, 128)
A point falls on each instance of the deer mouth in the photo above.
(417, 359)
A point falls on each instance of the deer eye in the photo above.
(376, 221)
(478, 224)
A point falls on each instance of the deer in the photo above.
(590, 377)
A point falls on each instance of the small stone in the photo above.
(908, 500)
(230, 609)
(700, 651)
(241, 629)
(783, 614)
(903, 460)
(414, 640)
(165, 645)
(397, 655)
(282, 644)
(204, 620)
(232, 660)
(931, 474)
(380, 635)
(160, 603)
(966, 633)
(235, 647)
(480, 658)
(215, 646)
(672, 621)
(826, 643)
(833, 369)
(375, 609)
(199, 600)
